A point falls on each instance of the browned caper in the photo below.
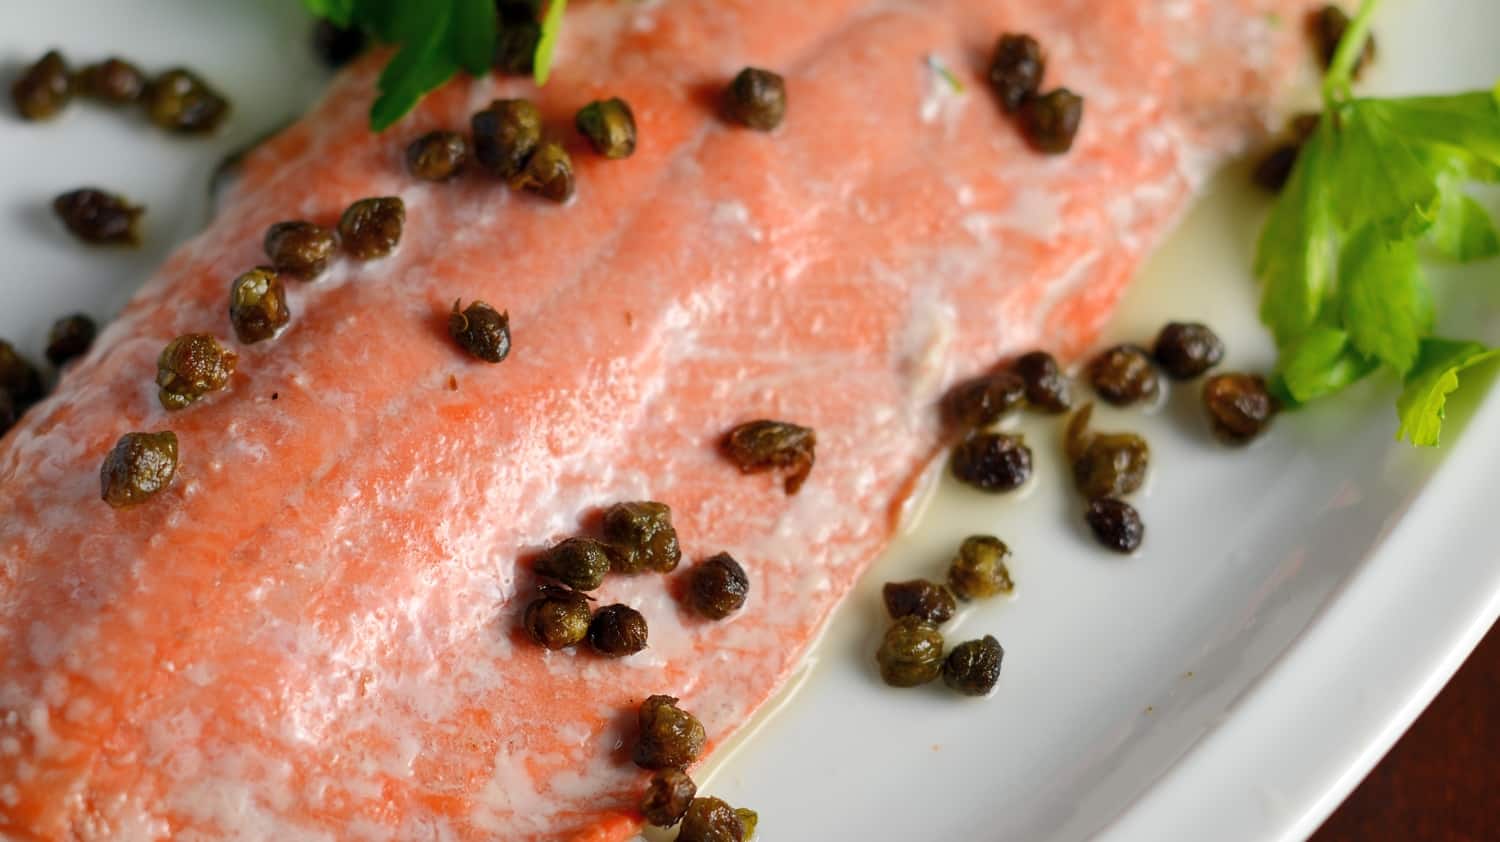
(712, 820)
(1116, 524)
(641, 537)
(983, 401)
(300, 249)
(1327, 26)
(609, 125)
(190, 367)
(1274, 170)
(1050, 121)
(371, 228)
(1105, 464)
(921, 599)
(9, 414)
(97, 217)
(179, 101)
(1239, 406)
(140, 466)
(757, 99)
(516, 38)
(1186, 350)
(18, 377)
(558, 618)
(1123, 375)
(1047, 388)
(257, 305)
(114, 81)
(773, 445)
(973, 667)
(1016, 69)
(719, 586)
(749, 820)
(44, 88)
(911, 653)
(667, 797)
(437, 155)
(548, 173)
(992, 462)
(617, 631)
(506, 135)
(670, 736)
(481, 330)
(579, 563)
(70, 338)
(979, 571)
(337, 45)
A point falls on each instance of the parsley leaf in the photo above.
(1384, 300)
(1423, 401)
(1321, 363)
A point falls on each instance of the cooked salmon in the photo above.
(313, 634)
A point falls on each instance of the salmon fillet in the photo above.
(313, 634)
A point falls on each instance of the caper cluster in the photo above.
(21, 383)
(670, 740)
(1049, 121)
(177, 100)
(993, 461)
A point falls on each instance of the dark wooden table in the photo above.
(1441, 782)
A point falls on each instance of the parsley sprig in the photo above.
(1379, 184)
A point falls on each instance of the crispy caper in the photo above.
(911, 653)
(1116, 524)
(481, 330)
(719, 586)
(95, 216)
(1239, 406)
(579, 563)
(140, 466)
(1110, 464)
(558, 618)
(921, 599)
(506, 135)
(1047, 387)
(773, 445)
(516, 38)
(993, 462)
(8, 412)
(756, 98)
(371, 228)
(711, 820)
(257, 305)
(670, 736)
(437, 155)
(1274, 170)
(973, 667)
(179, 101)
(749, 820)
(667, 797)
(548, 173)
(617, 631)
(1123, 375)
(18, 377)
(641, 537)
(609, 126)
(1327, 27)
(979, 571)
(70, 338)
(43, 88)
(190, 367)
(1050, 121)
(983, 401)
(1186, 350)
(337, 45)
(300, 249)
(114, 81)
(1016, 69)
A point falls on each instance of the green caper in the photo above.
(641, 537)
(257, 305)
(749, 820)
(1016, 69)
(548, 173)
(719, 586)
(481, 330)
(757, 99)
(516, 37)
(1050, 121)
(1123, 375)
(668, 796)
(579, 563)
(97, 217)
(1111, 465)
(921, 599)
(300, 249)
(558, 618)
(617, 631)
(114, 81)
(337, 45)
(70, 338)
(979, 571)
(771, 446)
(1047, 387)
(992, 462)
(1239, 406)
(190, 367)
(983, 401)
(140, 466)
(18, 377)
(670, 736)
(973, 667)
(1186, 350)
(44, 88)
(437, 155)
(1116, 524)
(179, 101)
(506, 135)
(711, 820)
(911, 654)
(609, 125)
(371, 228)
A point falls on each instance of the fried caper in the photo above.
(481, 330)
(114, 81)
(1123, 375)
(44, 88)
(667, 797)
(757, 99)
(609, 125)
(749, 820)
(1186, 350)
(773, 445)
(190, 367)
(973, 667)
(179, 101)
(335, 45)
(1047, 387)
(617, 631)
(300, 249)
(257, 305)
(558, 618)
(979, 571)
(8, 412)
(371, 228)
(1105, 464)
(670, 736)
(1274, 170)
(1239, 406)
(711, 820)
(437, 155)
(641, 537)
(921, 599)
(1050, 121)
(911, 653)
(506, 135)
(140, 466)
(1327, 26)
(992, 462)
(97, 217)
(548, 173)
(579, 563)
(18, 377)
(983, 401)
(70, 338)
(719, 586)
(1016, 70)
(516, 38)
(1116, 524)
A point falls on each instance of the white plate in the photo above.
(1296, 605)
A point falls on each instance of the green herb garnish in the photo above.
(1379, 182)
